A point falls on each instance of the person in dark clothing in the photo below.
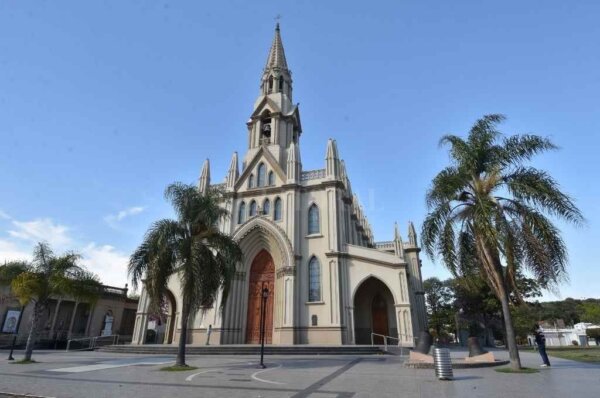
(540, 340)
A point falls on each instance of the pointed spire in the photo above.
(294, 165)
(204, 177)
(276, 58)
(412, 234)
(398, 244)
(233, 173)
(332, 160)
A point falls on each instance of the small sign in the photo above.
(11, 321)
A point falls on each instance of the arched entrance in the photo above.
(170, 318)
(262, 274)
(373, 312)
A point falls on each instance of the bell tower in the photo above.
(275, 121)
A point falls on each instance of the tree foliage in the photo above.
(439, 299)
(190, 248)
(491, 211)
(46, 277)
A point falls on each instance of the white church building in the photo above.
(306, 239)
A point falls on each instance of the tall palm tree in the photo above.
(190, 248)
(490, 211)
(46, 277)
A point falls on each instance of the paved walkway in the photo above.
(97, 374)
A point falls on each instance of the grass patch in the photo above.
(177, 368)
(590, 355)
(24, 362)
(511, 370)
(581, 354)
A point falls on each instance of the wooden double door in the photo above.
(380, 318)
(262, 274)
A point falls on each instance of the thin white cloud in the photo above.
(4, 215)
(114, 219)
(42, 229)
(9, 251)
(106, 261)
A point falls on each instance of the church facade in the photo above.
(307, 245)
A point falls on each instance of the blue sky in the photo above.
(103, 103)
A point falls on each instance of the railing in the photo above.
(91, 343)
(384, 245)
(385, 341)
(312, 174)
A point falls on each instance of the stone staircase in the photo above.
(246, 349)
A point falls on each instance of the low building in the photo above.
(565, 336)
(66, 318)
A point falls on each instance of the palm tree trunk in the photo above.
(511, 341)
(493, 269)
(180, 361)
(32, 333)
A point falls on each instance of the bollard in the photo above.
(442, 363)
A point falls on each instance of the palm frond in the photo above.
(537, 188)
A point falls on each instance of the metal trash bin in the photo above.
(442, 363)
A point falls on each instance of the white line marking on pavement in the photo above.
(190, 377)
(100, 366)
(263, 380)
(11, 394)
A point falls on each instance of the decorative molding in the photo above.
(240, 276)
(286, 271)
(268, 226)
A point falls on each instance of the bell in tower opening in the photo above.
(265, 133)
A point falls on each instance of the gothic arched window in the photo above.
(313, 220)
(241, 213)
(277, 210)
(251, 181)
(314, 280)
(270, 83)
(280, 83)
(260, 178)
(252, 208)
(271, 178)
(266, 209)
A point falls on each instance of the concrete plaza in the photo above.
(98, 374)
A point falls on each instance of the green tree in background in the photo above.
(590, 312)
(439, 299)
(48, 276)
(490, 211)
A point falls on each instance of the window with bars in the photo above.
(241, 213)
(313, 220)
(277, 210)
(260, 178)
(314, 280)
(271, 178)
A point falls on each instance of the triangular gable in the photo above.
(273, 108)
(261, 153)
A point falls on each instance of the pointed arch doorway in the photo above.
(262, 274)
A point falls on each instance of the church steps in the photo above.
(245, 350)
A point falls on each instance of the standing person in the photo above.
(540, 340)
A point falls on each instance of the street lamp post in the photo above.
(265, 296)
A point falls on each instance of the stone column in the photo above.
(72, 320)
(54, 318)
(89, 321)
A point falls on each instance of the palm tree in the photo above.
(190, 248)
(47, 277)
(489, 211)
